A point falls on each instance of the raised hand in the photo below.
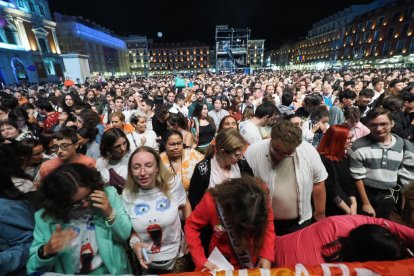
(60, 239)
(100, 201)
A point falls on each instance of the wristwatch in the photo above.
(41, 253)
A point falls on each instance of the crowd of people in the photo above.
(149, 175)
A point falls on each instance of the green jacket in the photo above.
(111, 240)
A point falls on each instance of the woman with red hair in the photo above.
(340, 187)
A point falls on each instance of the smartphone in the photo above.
(145, 255)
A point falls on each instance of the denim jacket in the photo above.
(16, 235)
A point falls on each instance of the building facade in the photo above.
(138, 54)
(255, 53)
(186, 57)
(330, 42)
(29, 50)
(107, 53)
(380, 38)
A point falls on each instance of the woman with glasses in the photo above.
(180, 123)
(153, 198)
(82, 228)
(180, 161)
(113, 163)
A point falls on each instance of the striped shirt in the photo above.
(381, 166)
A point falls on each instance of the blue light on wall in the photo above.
(7, 4)
(98, 36)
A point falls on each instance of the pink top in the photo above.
(305, 246)
(359, 130)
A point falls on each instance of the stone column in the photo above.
(56, 41)
(22, 34)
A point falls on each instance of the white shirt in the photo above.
(134, 139)
(250, 132)
(120, 167)
(183, 110)
(309, 169)
(128, 113)
(217, 116)
(152, 209)
(85, 244)
(218, 175)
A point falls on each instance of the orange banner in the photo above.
(398, 268)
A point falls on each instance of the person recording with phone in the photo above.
(82, 227)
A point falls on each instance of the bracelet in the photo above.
(41, 253)
(133, 241)
(112, 217)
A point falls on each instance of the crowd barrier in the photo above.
(397, 268)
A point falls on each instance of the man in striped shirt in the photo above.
(378, 162)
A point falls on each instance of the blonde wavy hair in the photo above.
(162, 179)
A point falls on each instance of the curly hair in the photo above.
(59, 187)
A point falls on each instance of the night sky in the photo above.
(275, 21)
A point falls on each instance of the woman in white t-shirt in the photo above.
(153, 198)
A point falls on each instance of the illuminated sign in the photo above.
(98, 36)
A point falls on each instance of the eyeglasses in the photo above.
(173, 145)
(55, 148)
(76, 205)
(381, 125)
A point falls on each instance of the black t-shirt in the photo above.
(206, 134)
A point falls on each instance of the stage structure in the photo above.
(232, 49)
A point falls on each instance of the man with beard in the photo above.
(199, 99)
